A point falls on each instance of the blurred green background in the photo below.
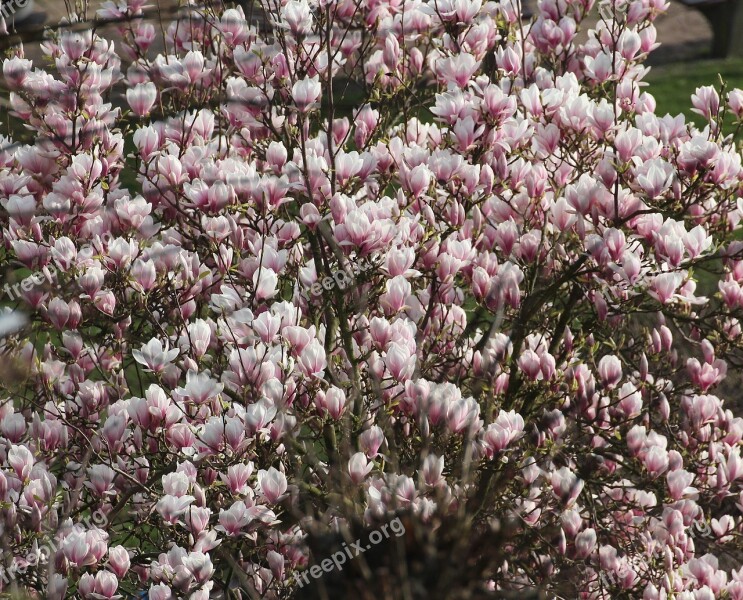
(672, 85)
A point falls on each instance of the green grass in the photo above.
(673, 85)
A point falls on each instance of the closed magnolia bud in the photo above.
(359, 467)
(199, 495)
(561, 542)
(105, 301)
(141, 98)
(571, 522)
(276, 564)
(371, 440)
(75, 315)
(331, 402)
(276, 155)
(58, 313)
(433, 467)
(585, 543)
(118, 561)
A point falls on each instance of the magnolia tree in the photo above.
(333, 263)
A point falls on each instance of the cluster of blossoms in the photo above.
(541, 341)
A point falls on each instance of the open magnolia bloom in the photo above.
(419, 276)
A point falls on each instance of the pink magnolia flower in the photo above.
(265, 282)
(456, 11)
(58, 313)
(371, 440)
(83, 548)
(566, 485)
(16, 71)
(735, 102)
(197, 519)
(296, 15)
(181, 436)
(457, 70)
(171, 508)
(276, 155)
(331, 402)
(106, 585)
(610, 371)
(664, 287)
(732, 466)
(433, 468)
(396, 296)
(13, 427)
(234, 519)
(118, 561)
(359, 467)
(462, 414)
(305, 93)
(160, 592)
(155, 355)
(144, 275)
(21, 460)
(679, 484)
(585, 543)
(656, 461)
(199, 337)
(199, 565)
(272, 484)
(146, 140)
(57, 587)
(706, 102)
(176, 484)
(267, 326)
(530, 364)
(276, 563)
(312, 360)
(571, 522)
(399, 361)
(508, 58)
(141, 98)
(101, 479)
(498, 436)
(237, 478)
(200, 387)
(654, 177)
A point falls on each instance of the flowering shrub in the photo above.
(534, 355)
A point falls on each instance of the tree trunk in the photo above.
(726, 20)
